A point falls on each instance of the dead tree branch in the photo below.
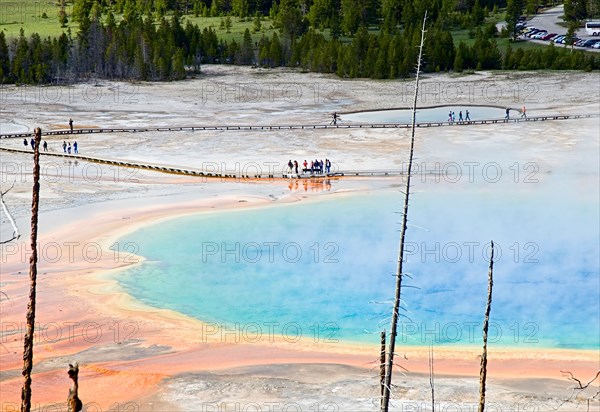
(488, 307)
(399, 271)
(382, 367)
(74, 404)
(431, 378)
(580, 387)
(16, 233)
(28, 339)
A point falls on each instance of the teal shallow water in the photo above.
(434, 114)
(321, 269)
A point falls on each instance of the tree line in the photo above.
(148, 48)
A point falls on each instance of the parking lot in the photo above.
(543, 28)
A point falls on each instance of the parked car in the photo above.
(589, 42)
(558, 39)
(532, 32)
(596, 45)
(539, 35)
(553, 37)
(548, 36)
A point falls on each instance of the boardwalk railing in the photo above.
(295, 127)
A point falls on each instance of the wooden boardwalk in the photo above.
(211, 174)
(296, 126)
(273, 175)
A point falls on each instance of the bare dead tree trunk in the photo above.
(483, 370)
(16, 233)
(28, 340)
(382, 365)
(385, 403)
(431, 378)
(74, 404)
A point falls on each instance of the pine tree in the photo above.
(275, 51)
(290, 20)
(351, 15)
(391, 11)
(514, 9)
(575, 10)
(247, 50)
(257, 25)
(62, 14)
(81, 9)
(240, 8)
(458, 59)
(4, 59)
(509, 60)
(477, 14)
(336, 28)
(21, 63)
(178, 67)
(319, 14)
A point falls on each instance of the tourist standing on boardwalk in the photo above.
(64, 147)
(507, 114)
(75, 147)
(32, 142)
(460, 118)
(524, 112)
(69, 148)
(305, 164)
(467, 118)
(25, 142)
(328, 165)
(290, 165)
(296, 166)
(71, 125)
(45, 146)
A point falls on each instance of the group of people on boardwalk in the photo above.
(67, 147)
(452, 117)
(523, 113)
(316, 167)
(32, 143)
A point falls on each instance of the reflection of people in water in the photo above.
(316, 184)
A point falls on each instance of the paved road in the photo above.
(548, 20)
